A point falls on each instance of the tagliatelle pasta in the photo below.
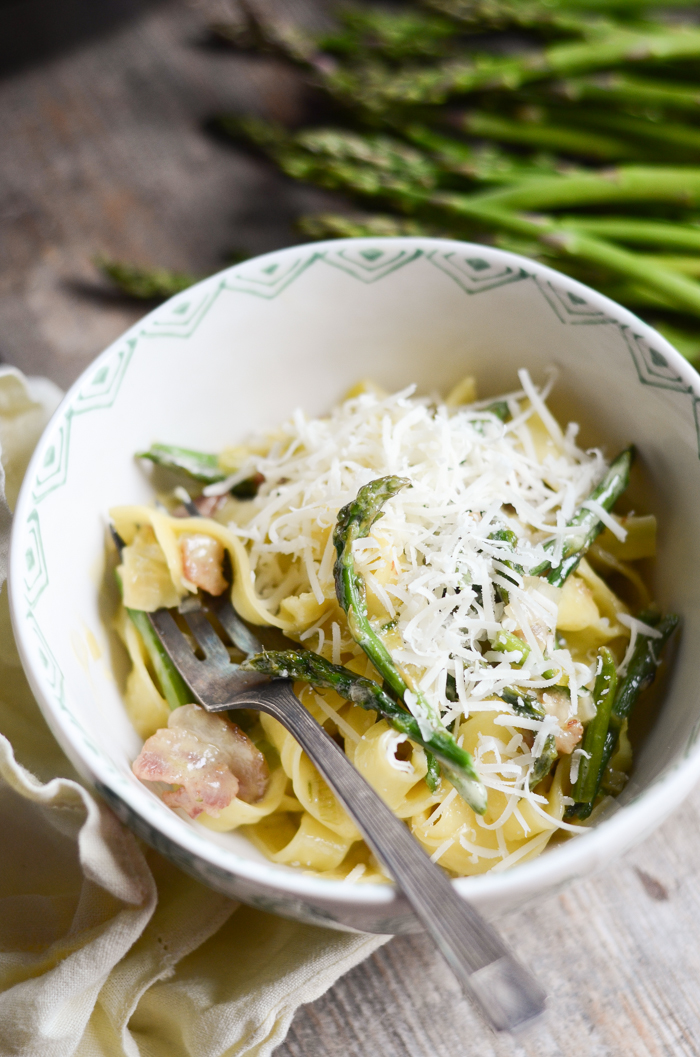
(463, 557)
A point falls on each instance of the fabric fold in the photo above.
(106, 949)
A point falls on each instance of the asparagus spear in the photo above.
(628, 184)
(488, 163)
(395, 35)
(505, 642)
(624, 88)
(432, 777)
(587, 521)
(677, 290)
(640, 135)
(521, 703)
(543, 764)
(640, 675)
(311, 668)
(594, 738)
(657, 233)
(198, 464)
(146, 284)
(562, 137)
(505, 639)
(480, 15)
(354, 522)
(378, 89)
(173, 687)
(338, 225)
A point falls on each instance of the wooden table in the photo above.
(103, 151)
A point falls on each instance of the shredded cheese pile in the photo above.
(429, 560)
(507, 660)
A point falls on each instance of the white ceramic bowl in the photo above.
(298, 327)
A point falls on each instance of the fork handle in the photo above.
(506, 992)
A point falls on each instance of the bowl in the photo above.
(299, 326)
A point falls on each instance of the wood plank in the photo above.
(103, 152)
(618, 955)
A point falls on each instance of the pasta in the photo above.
(491, 580)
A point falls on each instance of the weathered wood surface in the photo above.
(102, 150)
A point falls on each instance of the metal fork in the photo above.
(491, 977)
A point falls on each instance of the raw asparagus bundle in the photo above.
(517, 162)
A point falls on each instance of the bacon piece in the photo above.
(202, 558)
(245, 761)
(209, 761)
(557, 703)
(571, 734)
(206, 505)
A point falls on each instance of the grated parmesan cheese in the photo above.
(432, 566)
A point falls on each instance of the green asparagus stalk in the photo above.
(685, 265)
(563, 137)
(521, 703)
(197, 464)
(505, 642)
(587, 521)
(660, 234)
(311, 668)
(678, 290)
(641, 673)
(355, 522)
(543, 764)
(378, 89)
(481, 15)
(395, 35)
(272, 36)
(594, 737)
(146, 284)
(340, 226)
(628, 184)
(432, 776)
(623, 88)
(486, 164)
(643, 136)
(172, 686)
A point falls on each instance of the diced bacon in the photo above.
(557, 703)
(209, 761)
(205, 505)
(245, 761)
(571, 734)
(202, 559)
(199, 771)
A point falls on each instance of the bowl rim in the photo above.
(560, 864)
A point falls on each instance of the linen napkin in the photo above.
(106, 948)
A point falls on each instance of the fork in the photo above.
(506, 993)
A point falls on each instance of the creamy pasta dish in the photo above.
(456, 598)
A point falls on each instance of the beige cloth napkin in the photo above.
(106, 948)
